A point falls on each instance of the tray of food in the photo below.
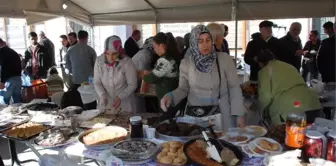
(56, 137)
(171, 154)
(179, 129)
(8, 120)
(42, 108)
(264, 146)
(237, 139)
(135, 150)
(24, 131)
(255, 131)
(14, 109)
(195, 151)
(97, 122)
(249, 90)
(121, 119)
(102, 138)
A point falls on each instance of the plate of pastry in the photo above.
(171, 154)
(25, 130)
(102, 138)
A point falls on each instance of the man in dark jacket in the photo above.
(48, 45)
(37, 59)
(326, 55)
(225, 42)
(10, 85)
(260, 41)
(131, 46)
(329, 28)
(292, 46)
(310, 51)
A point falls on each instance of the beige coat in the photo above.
(203, 88)
(118, 81)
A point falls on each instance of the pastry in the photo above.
(104, 136)
(172, 153)
(25, 130)
(267, 145)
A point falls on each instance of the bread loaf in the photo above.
(103, 136)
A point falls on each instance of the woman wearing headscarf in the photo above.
(115, 78)
(165, 73)
(143, 60)
(210, 82)
(278, 96)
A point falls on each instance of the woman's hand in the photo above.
(116, 102)
(241, 121)
(103, 100)
(143, 73)
(146, 72)
(165, 102)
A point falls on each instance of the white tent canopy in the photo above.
(104, 12)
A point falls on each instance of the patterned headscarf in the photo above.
(148, 44)
(113, 43)
(203, 62)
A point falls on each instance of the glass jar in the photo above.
(313, 145)
(136, 127)
(295, 128)
(331, 146)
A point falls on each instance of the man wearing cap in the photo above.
(292, 46)
(10, 86)
(263, 41)
(48, 45)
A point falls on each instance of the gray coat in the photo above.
(203, 88)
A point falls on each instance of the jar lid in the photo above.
(332, 134)
(314, 134)
(135, 118)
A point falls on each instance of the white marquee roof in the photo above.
(103, 12)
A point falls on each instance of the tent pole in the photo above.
(234, 17)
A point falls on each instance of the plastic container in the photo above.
(37, 90)
(295, 128)
(331, 146)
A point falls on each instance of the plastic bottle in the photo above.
(295, 127)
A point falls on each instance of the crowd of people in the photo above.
(195, 68)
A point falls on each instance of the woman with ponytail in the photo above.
(166, 70)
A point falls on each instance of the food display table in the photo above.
(102, 157)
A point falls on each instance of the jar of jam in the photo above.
(331, 147)
(313, 145)
(136, 127)
(295, 128)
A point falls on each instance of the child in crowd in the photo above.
(54, 81)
